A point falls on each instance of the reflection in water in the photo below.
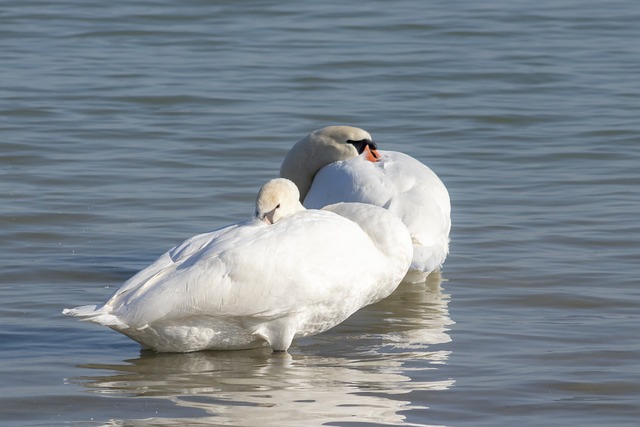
(361, 371)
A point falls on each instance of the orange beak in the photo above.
(371, 155)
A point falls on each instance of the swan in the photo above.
(342, 164)
(286, 273)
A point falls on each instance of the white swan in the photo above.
(287, 273)
(342, 164)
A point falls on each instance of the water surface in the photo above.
(127, 128)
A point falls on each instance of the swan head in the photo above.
(323, 146)
(277, 199)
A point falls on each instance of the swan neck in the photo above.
(301, 166)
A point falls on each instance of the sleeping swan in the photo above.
(286, 273)
(342, 164)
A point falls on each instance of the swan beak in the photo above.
(371, 154)
(264, 218)
(267, 217)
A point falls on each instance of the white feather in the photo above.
(328, 170)
(251, 283)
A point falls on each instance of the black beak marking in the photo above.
(362, 144)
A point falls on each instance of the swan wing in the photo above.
(256, 272)
(400, 184)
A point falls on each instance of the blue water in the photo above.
(126, 128)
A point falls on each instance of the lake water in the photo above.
(128, 127)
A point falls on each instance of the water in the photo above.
(126, 128)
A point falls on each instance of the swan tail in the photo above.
(91, 313)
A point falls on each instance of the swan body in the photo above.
(287, 273)
(332, 165)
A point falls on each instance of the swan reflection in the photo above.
(361, 371)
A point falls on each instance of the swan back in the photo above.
(386, 230)
(400, 184)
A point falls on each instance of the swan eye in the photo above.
(278, 207)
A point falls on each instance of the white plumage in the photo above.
(287, 273)
(342, 164)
